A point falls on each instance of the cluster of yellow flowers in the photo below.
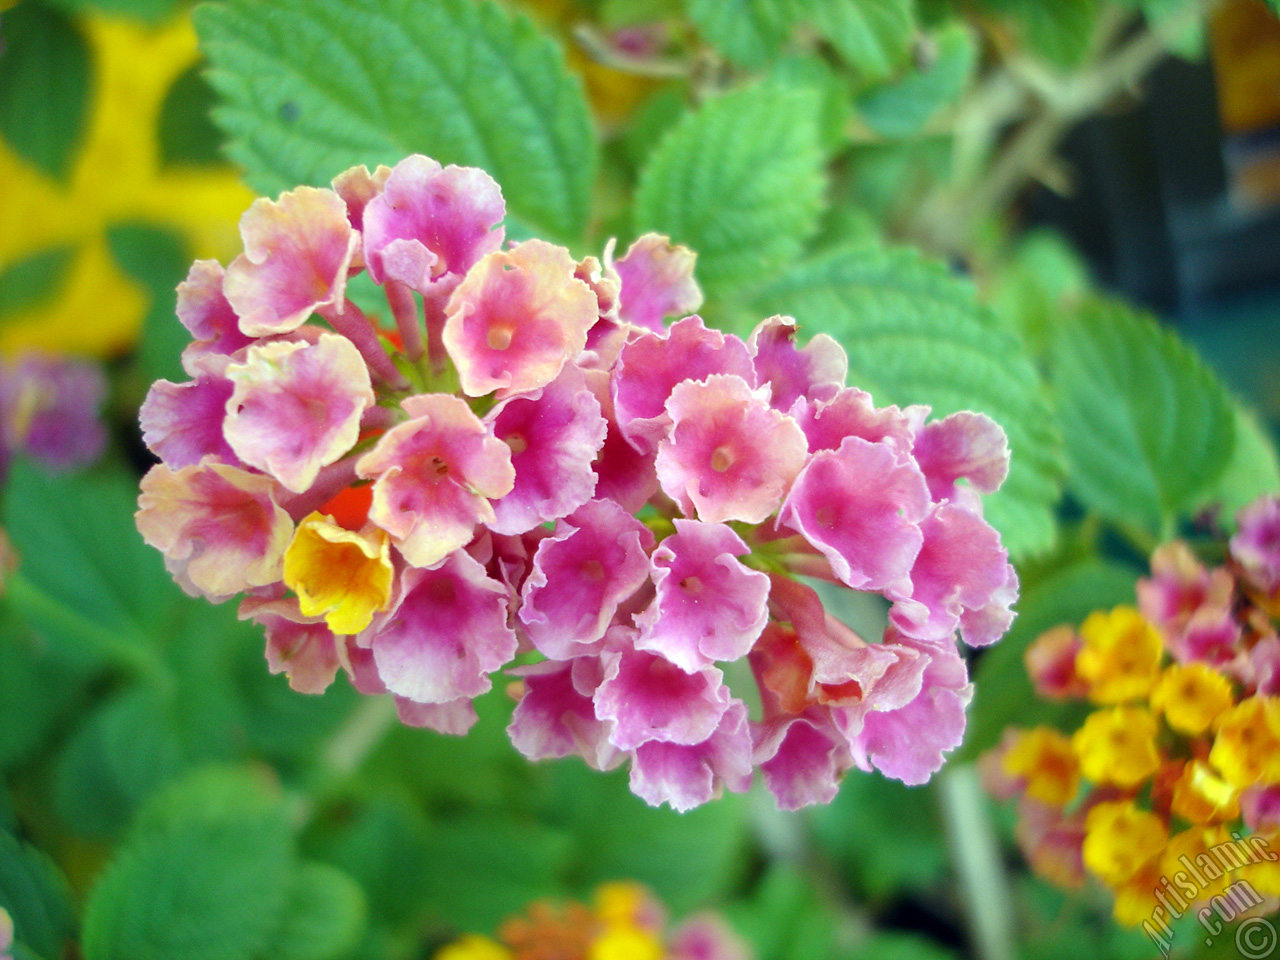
(624, 922)
(1169, 790)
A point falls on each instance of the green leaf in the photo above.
(902, 108)
(740, 181)
(1060, 32)
(37, 688)
(119, 756)
(854, 826)
(312, 87)
(158, 260)
(873, 36)
(836, 105)
(82, 558)
(323, 917)
(1148, 428)
(1253, 470)
(786, 919)
(916, 334)
(33, 280)
(186, 129)
(750, 32)
(153, 11)
(196, 881)
(1043, 280)
(1003, 695)
(44, 86)
(690, 858)
(35, 894)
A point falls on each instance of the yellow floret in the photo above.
(1202, 797)
(1246, 749)
(1120, 658)
(625, 943)
(1120, 839)
(1044, 758)
(1192, 696)
(341, 574)
(1117, 746)
(474, 947)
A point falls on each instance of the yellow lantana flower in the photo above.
(116, 178)
(1044, 758)
(1191, 696)
(1120, 839)
(1202, 797)
(1117, 746)
(1246, 749)
(474, 947)
(342, 575)
(1120, 658)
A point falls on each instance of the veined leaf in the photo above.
(1148, 428)
(740, 181)
(902, 108)
(323, 917)
(35, 894)
(211, 885)
(1254, 469)
(916, 334)
(312, 87)
(873, 36)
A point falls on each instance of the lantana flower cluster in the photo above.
(624, 922)
(1169, 791)
(516, 462)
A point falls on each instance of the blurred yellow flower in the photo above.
(1246, 749)
(116, 178)
(474, 947)
(1201, 796)
(1191, 696)
(1117, 746)
(1120, 658)
(1044, 758)
(1120, 839)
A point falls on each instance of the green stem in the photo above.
(975, 850)
(127, 653)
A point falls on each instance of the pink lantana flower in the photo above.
(444, 634)
(729, 455)
(297, 254)
(656, 280)
(428, 224)
(708, 606)
(220, 528)
(517, 318)
(296, 406)
(435, 476)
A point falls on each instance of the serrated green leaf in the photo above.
(873, 36)
(117, 758)
(323, 916)
(1148, 428)
(916, 334)
(83, 558)
(751, 32)
(836, 103)
(211, 885)
(902, 108)
(34, 279)
(1003, 695)
(1253, 470)
(312, 87)
(740, 181)
(35, 894)
(44, 86)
